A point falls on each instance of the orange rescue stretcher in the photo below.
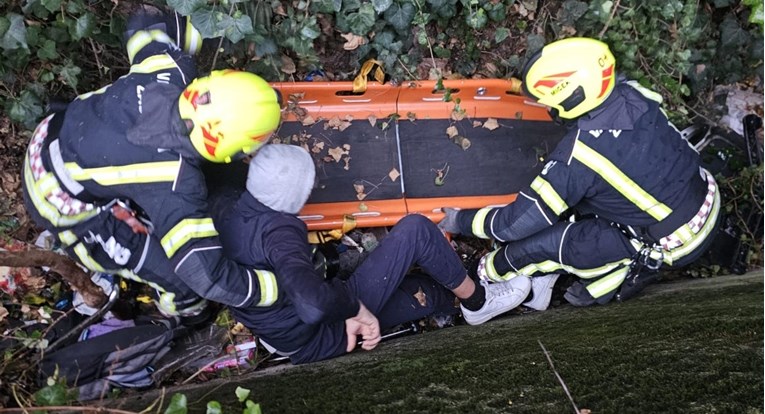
(393, 150)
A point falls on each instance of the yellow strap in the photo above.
(323, 236)
(360, 83)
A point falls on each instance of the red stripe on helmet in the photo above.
(607, 79)
(211, 141)
(191, 97)
(552, 80)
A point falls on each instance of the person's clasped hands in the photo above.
(364, 324)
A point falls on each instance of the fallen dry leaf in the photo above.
(353, 41)
(317, 147)
(491, 124)
(476, 124)
(461, 141)
(336, 153)
(347, 147)
(372, 120)
(334, 122)
(347, 160)
(421, 297)
(288, 65)
(359, 188)
(308, 120)
(394, 174)
(458, 115)
(452, 131)
(361, 196)
(411, 116)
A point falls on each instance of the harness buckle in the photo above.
(646, 260)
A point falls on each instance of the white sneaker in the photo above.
(500, 298)
(541, 288)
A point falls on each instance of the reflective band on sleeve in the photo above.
(269, 291)
(479, 222)
(608, 283)
(91, 93)
(82, 253)
(193, 39)
(620, 182)
(149, 172)
(549, 195)
(186, 230)
(154, 63)
(142, 38)
(654, 96)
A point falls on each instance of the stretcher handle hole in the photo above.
(443, 91)
(349, 93)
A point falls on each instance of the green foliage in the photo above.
(678, 48)
(48, 47)
(55, 393)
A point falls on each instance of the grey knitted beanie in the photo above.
(281, 176)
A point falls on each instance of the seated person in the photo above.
(309, 318)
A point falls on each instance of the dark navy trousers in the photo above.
(387, 287)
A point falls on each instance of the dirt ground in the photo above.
(692, 346)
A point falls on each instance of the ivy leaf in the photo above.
(242, 393)
(361, 22)
(501, 34)
(187, 7)
(731, 33)
(327, 6)
(205, 21)
(251, 408)
(572, 10)
(381, 5)
(214, 407)
(83, 26)
(68, 74)
(239, 28)
(15, 35)
(54, 395)
(310, 29)
(267, 46)
(178, 405)
(477, 19)
(51, 5)
(400, 16)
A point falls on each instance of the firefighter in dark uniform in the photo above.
(637, 185)
(116, 176)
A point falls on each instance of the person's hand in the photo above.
(364, 324)
(449, 223)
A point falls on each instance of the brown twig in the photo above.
(563, 384)
(610, 17)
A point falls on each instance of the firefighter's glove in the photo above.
(449, 223)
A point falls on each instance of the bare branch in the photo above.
(563, 384)
(80, 281)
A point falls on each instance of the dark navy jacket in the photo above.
(623, 161)
(126, 141)
(257, 236)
